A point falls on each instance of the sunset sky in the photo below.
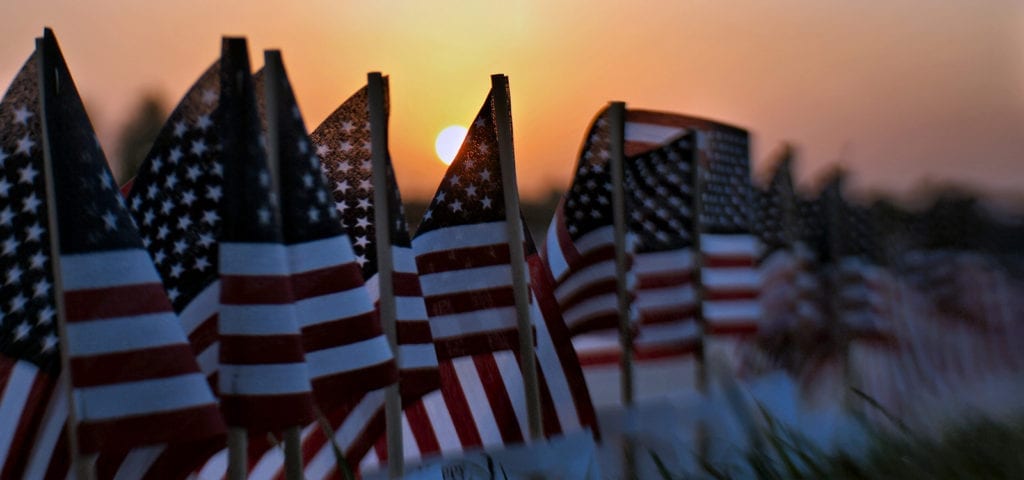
(900, 90)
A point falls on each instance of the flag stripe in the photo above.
(138, 299)
(159, 362)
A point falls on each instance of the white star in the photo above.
(367, 145)
(13, 275)
(362, 222)
(205, 239)
(33, 232)
(3, 156)
(25, 145)
(362, 241)
(27, 174)
(166, 206)
(210, 217)
(209, 96)
(184, 222)
(323, 150)
(45, 316)
(264, 178)
(180, 128)
(192, 172)
(159, 257)
(321, 196)
(162, 232)
(172, 293)
(427, 215)
(366, 164)
(264, 215)
(485, 175)
(148, 217)
(198, 146)
(484, 148)
(341, 186)
(471, 191)
(343, 167)
(213, 192)
(6, 215)
(187, 197)
(456, 206)
(361, 260)
(365, 184)
(341, 206)
(440, 197)
(480, 122)
(307, 180)
(21, 331)
(41, 288)
(202, 263)
(22, 114)
(364, 203)
(486, 201)
(303, 146)
(345, 146)
(37, 261)
(18, 302)
(156, 164)
(346, 127)
(180, 246)
(204, 122)
(30, 203)
(314, 214)
(171, 181)
(176, 270)
(217, 169)
(49, 342)
(454, 180)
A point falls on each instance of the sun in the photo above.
(448, 143)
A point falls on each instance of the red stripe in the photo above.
(463, 258)
(498, 399)
(469, 301)
(724, 294)
(680, 349)
(132, 366)
(542, 285)
(599, 321)
(315, 283)
(412, 332)
(373, 429)
(204, 335)
(60, 459)
(591, 290)
(664, 280)
(679, 313)
(267, 413)
(732, 329)
(342, 331)
(729, 261)
(549, 416)
(29, 421)
(565, 244)
(477, 343)
(329, 390)
(113, 302)
(180, 460)
(417, 382)
(250, 289)
(153, 428)
(422, 430)
(406, 284)
(255, 350)
(458, 407)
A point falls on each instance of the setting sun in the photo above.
(448, 143)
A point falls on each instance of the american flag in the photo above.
(264, 379)
(462, 254)
(776, 230)
(337, 313)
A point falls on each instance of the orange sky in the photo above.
(902, 90)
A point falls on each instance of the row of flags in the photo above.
(235, 283)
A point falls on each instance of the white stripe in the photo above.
(441, 419)
(469, 279)
(731, 278)
(553, 252)
(404, 259)
(659, 298)
(201, 308)
(49, 432)
(512, 376)
(253, 259)
(322, 463)
(584, 278)
(142, 397)
(417, 356)
(264, 379)
(651, 133)
(728, 312)
(209, 359)
(369, 464)
(663, 333)
(278, 319)
(124, 334)
(269, 464)
(476, 398)
(113, 268)
(554, 374)
(410, 309)
(478, 321)
(12, 403)
(332, 306)
(462, 236)
(138, 462)
(594, 239)
(411, 451)
(319, 254)
(598, 340)
(347, 358)
(216, 467)
(667, 261)
(729, 244)
(591, 307)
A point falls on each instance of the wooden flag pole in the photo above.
(617, 130)
(273, 71)
(82, 465)
(703, 433)
(385, 262)
(502, 107)
(237, 455)
(616, 163)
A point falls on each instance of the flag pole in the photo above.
(385, 262)
(82, 465)
(273, 71)
(502, 108)
(616, 145)
(697, 160)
